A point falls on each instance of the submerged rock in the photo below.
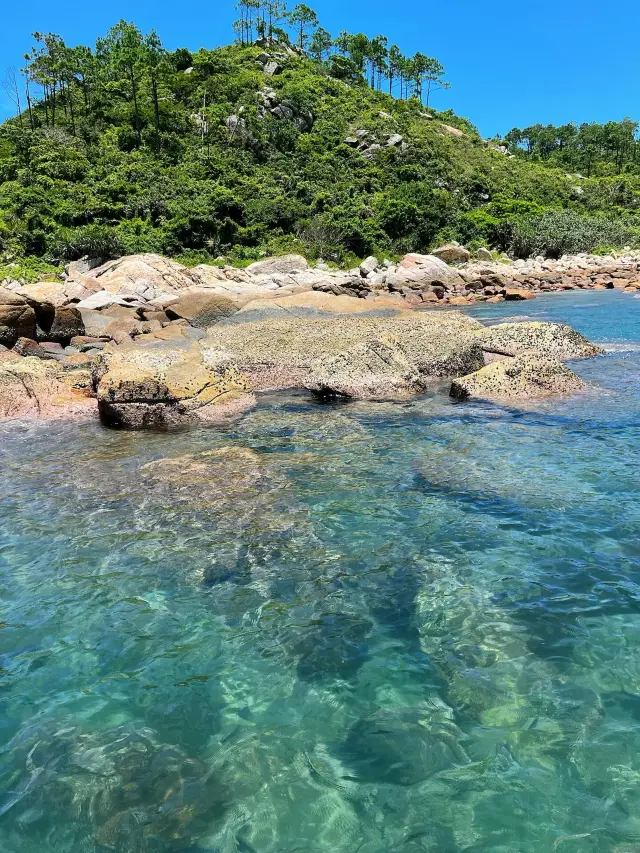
(246, 501)
(401, 748)
(333, 647)
(527, 376)
(552, 339)
(130, 786)
(168, 383)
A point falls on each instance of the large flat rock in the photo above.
(278, 353)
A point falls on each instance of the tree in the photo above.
(10, 85)
(377, 53)
(276, 11)
(122, 53)
(321, 43)
(395, 65)
(303, 18)
(154, 61)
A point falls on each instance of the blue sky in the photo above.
(551, 61)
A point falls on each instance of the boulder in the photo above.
(161, 384)
(454, 131)
(32, 388)
(483, 254)
(209, 275)
(59, 324)
(553, 339)
(417, 271)
(53, 292)
(514, 294)
(201, 308)
(238, 128)
(318, 302)
(282, 264)
(452, 253)
(529, 375)
(17, 318)
(95, 322)
(29, 348)
(368, 266)
(143, 276)
(100, 300)
(373, 370)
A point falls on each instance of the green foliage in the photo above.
(125, 148)
(557, 233)
(29, 270)
(592, 149)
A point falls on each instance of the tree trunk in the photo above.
(28, 94)
(73, 118)
(156, 110)
(134, 91)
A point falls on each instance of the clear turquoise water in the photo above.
(420, 632)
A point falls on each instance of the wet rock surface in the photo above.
(279, 353)
(168, 383)
(529, 375)
(553, 339)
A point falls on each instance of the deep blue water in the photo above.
(399, 628)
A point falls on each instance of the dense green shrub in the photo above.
(557, 233)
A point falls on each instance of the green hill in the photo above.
(127, 148)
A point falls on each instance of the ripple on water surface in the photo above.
(364, 627)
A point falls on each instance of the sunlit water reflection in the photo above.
(367, 627)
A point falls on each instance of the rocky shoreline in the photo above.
(153, 344)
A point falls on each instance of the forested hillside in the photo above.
(289, 139)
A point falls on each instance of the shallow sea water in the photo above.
(419, 631)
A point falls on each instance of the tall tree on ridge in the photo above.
(321, 43)
(395, 65)
(302, 17)
(122, 51)
(276, 11)
(154, 58)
